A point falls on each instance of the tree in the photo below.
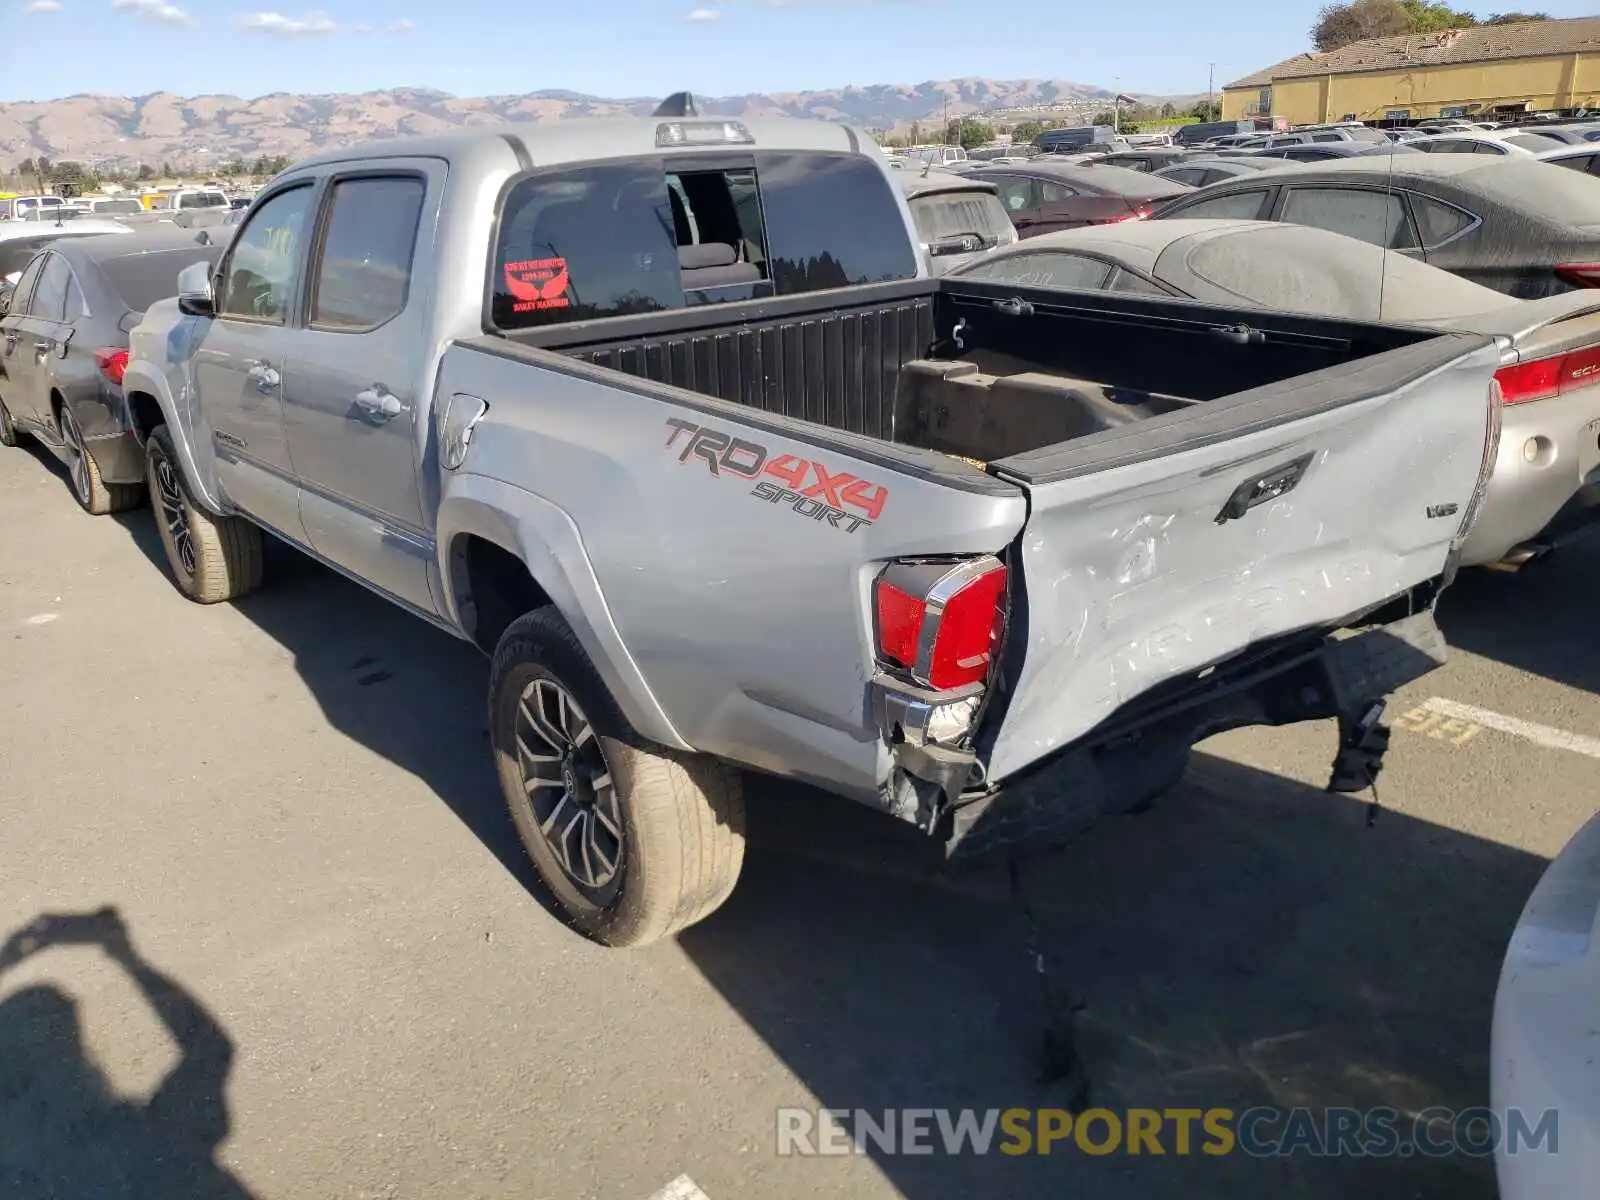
(1167, 110)
(166, 170)
(146, 172)
(1514, 18)
(1436, 17)
(968, 132)
(1341, 24)
(1206, 112)
(1026, 131)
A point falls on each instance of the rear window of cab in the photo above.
(653, 235)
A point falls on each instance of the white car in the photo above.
(1487, 141)
(1541, 1048)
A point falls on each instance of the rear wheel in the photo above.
(635, 842)
(212, 558)
(95, 495)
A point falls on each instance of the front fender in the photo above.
(547, 542)
(198, 464)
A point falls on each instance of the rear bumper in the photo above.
(1131, 759)
(1546, 481)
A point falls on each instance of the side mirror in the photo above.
(194, 291)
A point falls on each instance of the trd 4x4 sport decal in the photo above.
(801, 485)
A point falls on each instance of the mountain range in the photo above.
(117, 131)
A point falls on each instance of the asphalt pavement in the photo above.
(329, 973)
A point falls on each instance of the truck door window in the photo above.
(258, 280)
(363, 271)
(591, 242)
(832, 220)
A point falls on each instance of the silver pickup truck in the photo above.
(668, 417)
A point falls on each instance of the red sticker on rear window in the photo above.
(538, 284)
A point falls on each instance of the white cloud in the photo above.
(43, 6)
(312, 24)
(158, 12)
(702, 15)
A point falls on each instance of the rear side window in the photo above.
(1046, 269)
(626, 238)
(363, 273)
(1574, 163)
(1438, 221)
(1189, 175)
(50, 298)
(1532, 141)
(1237, 206)
(1375, 217)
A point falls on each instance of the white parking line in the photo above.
(1542, 735)
(681, 1188)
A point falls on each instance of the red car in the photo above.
(1042, 197)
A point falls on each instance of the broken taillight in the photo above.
(113, 363)
(1137, 214)
(1584, 275)
(1542, 378)
(941, 622)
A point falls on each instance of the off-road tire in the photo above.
(8, 432)
(683, 814)
(227, 551)
(94, 495)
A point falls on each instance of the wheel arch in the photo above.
(150, 404)
(500, 548)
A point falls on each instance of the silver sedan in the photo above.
(1546, 483)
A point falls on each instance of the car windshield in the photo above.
(952, 214)
(1536, 142)
(203, 200)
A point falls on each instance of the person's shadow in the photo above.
(63, 1132)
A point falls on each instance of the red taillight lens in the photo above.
(1546, 377)
(1580, 274)
(1138, 214)
(941, 621)
(113, 363)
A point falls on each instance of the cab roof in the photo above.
(593, 139)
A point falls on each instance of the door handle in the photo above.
(1267, 486)
(266, 377)
(379, 403)
(41, 350)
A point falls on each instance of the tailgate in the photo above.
(1158, 549)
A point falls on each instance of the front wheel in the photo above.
(634, 842)
(212, 558)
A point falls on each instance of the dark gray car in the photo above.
(1515, 224)
(64, 346)
(1204, 170)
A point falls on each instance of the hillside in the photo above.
(120, 132)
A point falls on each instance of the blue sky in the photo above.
(52, 48)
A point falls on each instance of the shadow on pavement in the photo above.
(1540, 620)
(63, 1132)
(1246, 942)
